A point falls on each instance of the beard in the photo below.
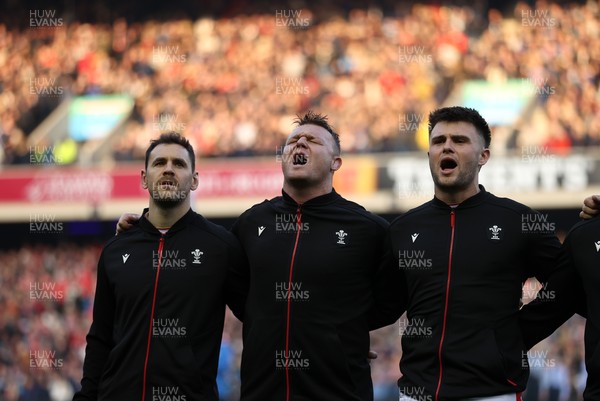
(170, 201)
(302, 180)
(464, 179)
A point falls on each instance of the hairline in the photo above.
(337, 151)
(189, 160)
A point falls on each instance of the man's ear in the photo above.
(336, 163)
(143, 179)
(195, 181)
(484, 157)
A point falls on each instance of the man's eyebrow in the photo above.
(303, 133)
(175, 159)
(461, 136)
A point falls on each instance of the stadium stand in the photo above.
(230, 78)
(231, 84)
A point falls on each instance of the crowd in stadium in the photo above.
(231, 84)
(46, 310)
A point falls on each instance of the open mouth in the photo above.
(448, 164)
(299, 159)
(167, 184)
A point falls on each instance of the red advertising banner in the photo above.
(74, 185)
(243, 178)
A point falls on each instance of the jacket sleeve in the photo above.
(389, 289)
(100, 337)
(238, 278)
(563, 296)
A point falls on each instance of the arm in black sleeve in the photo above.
(563, 296)
(238, 278)
(389, 290)
(100, 337)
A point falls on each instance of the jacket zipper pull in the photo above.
(452, 218)
(298, 218)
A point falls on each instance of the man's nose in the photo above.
(168, 167)
(302, 141)
(448, 146)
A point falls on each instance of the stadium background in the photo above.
(83, 87)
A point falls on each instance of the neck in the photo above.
(456, 197)
(302, 195)
(165, 218)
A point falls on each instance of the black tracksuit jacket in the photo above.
(319, 273)
(464, 268)
(177, 355)
(575, 285)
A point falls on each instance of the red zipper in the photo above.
(289, 302)
(452, 224)
(160, 248)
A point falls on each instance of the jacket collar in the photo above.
(321, 200)
(180, 224)
(474, 200)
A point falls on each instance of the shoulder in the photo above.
(507, 204)
(261, 207)
(585, 229)
(360, 212)
(412, 213)
(124, 237)
(202, 225)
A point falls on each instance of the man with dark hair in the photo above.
(318, 266)
(467, 292)
(172, 138)
(321, 276)
(462, 114)
(160, 293)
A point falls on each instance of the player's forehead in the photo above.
(454, 128)
(170, 151)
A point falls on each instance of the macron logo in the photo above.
(260, 230)
(125, 257)
(597, 246)
(414, 237)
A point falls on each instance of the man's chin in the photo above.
(299, 182)
(448, 184)
(167, 203)
(166, 200)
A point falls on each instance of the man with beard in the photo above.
(320, 278)
(465, 256)
(160, 293)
